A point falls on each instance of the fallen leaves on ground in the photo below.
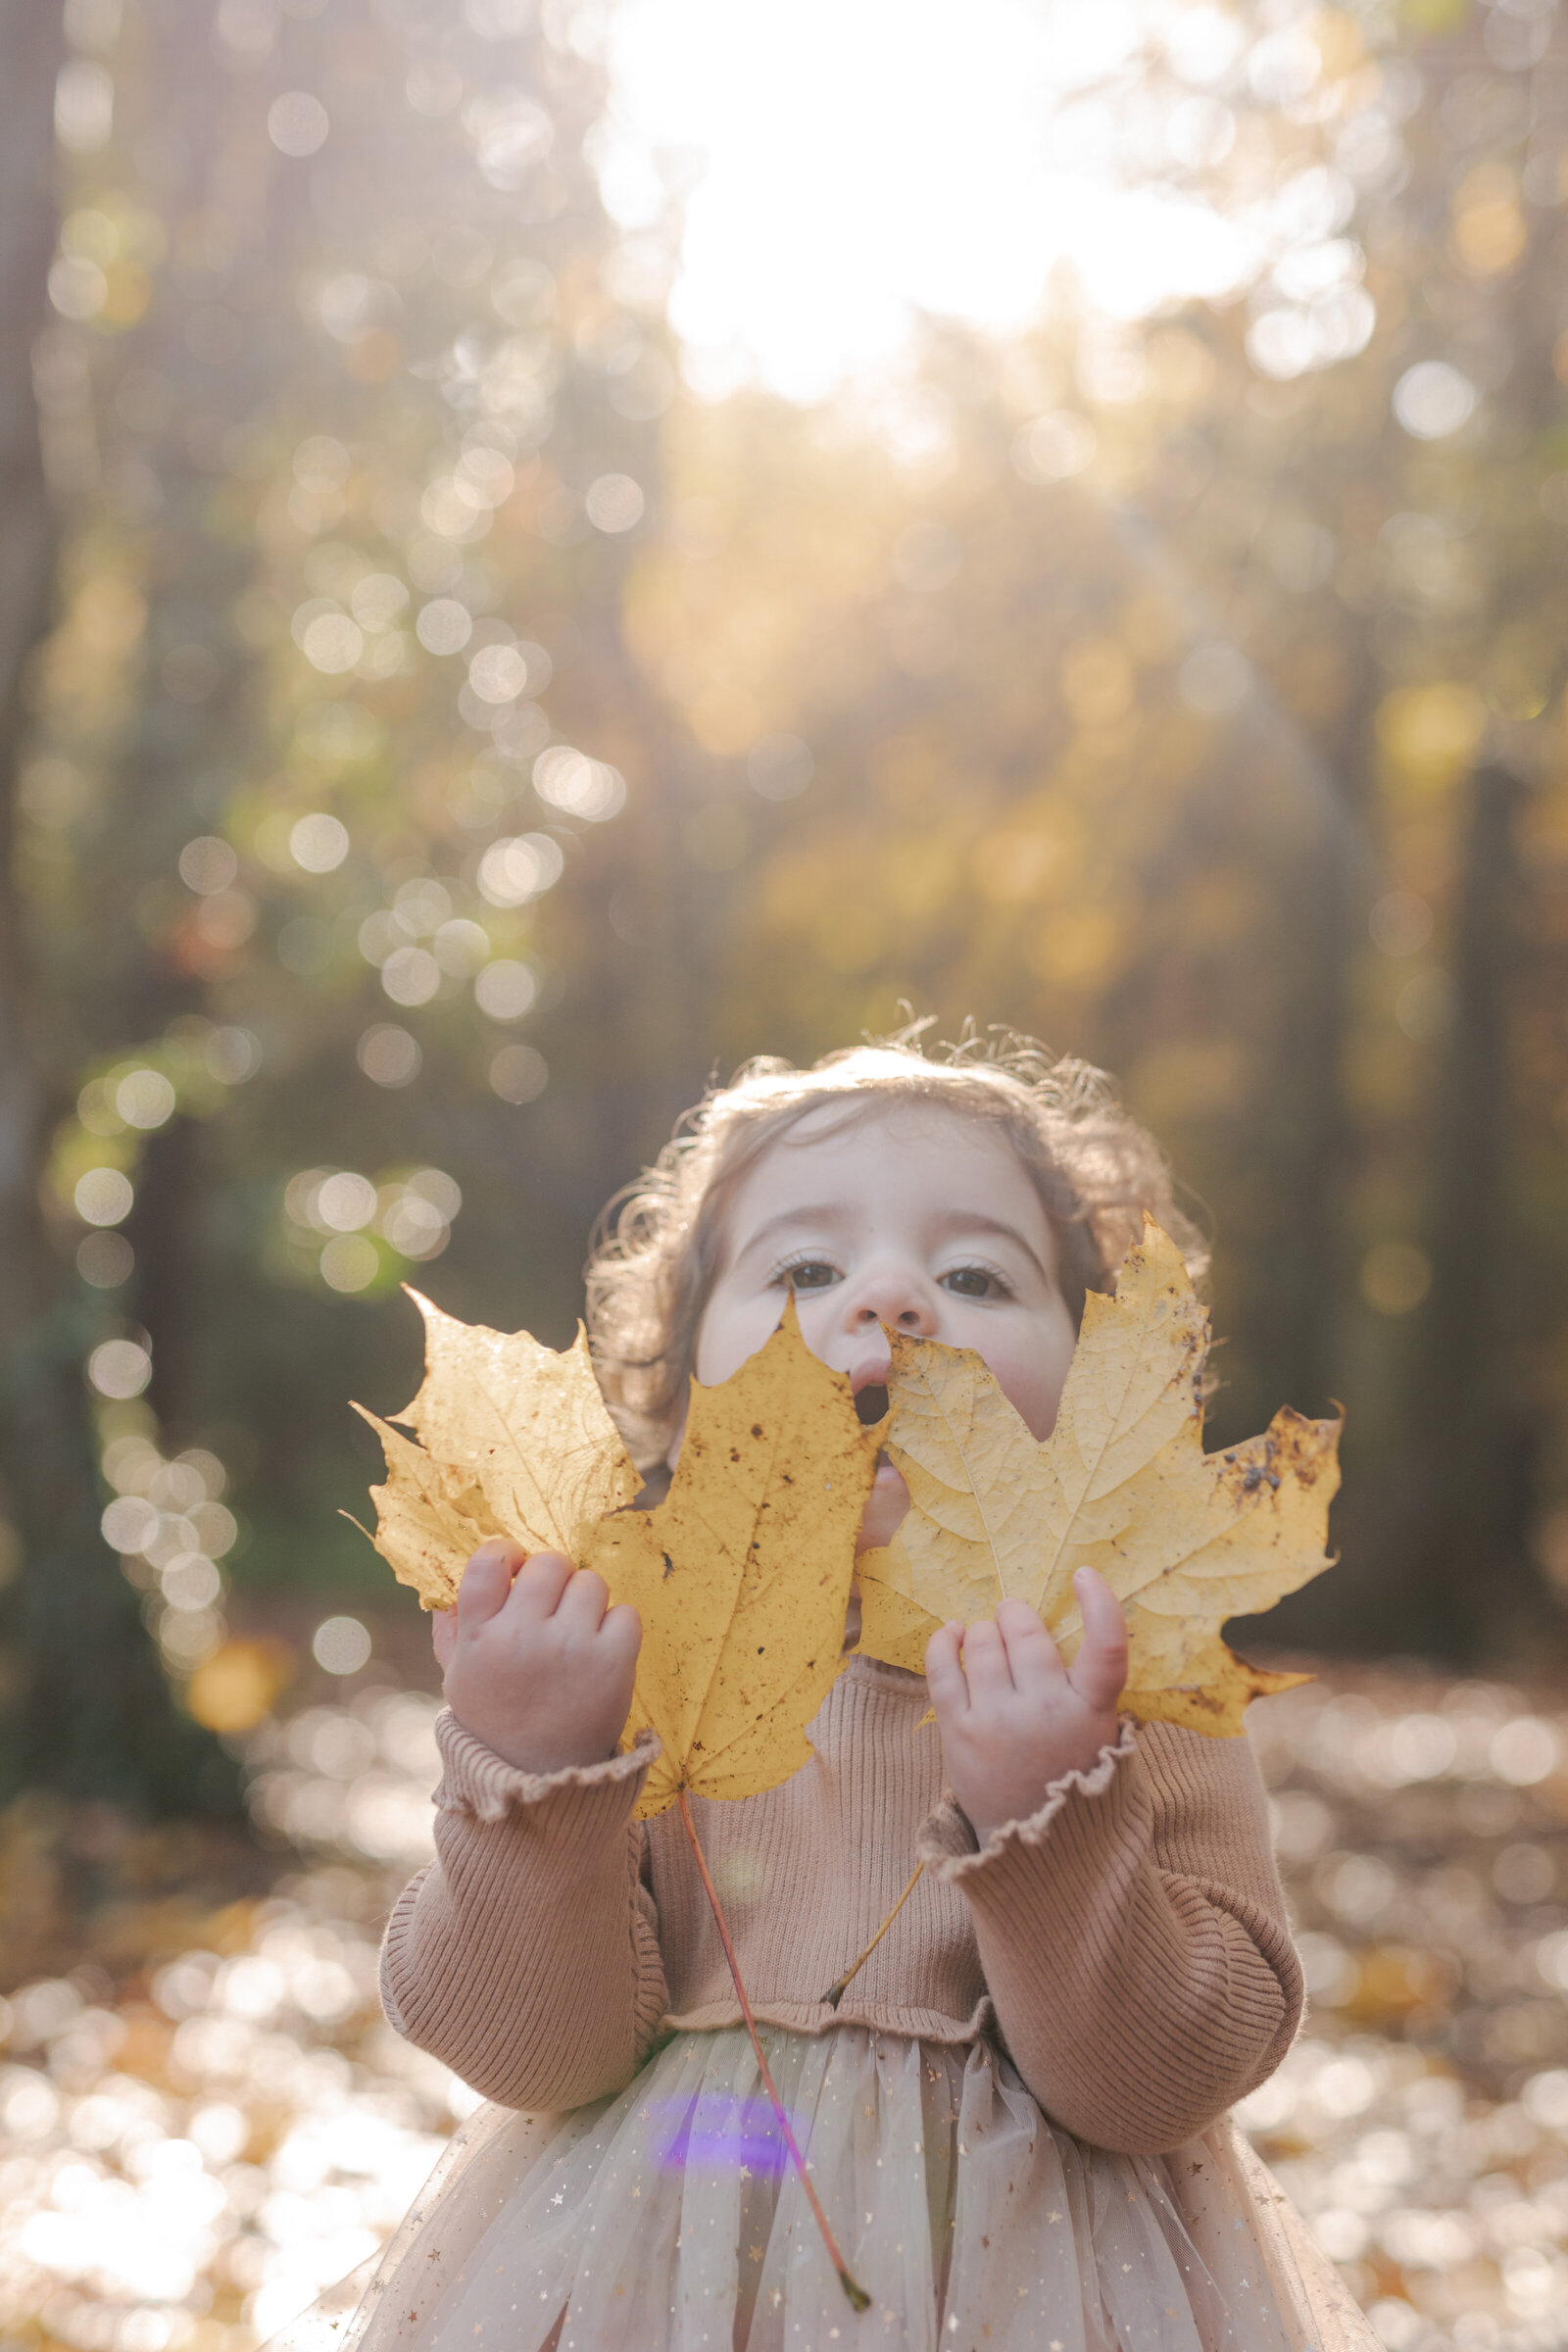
(1185, 1539)
(197, 2138)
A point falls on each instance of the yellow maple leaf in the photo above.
(428, 1518)
(1185, 1539)
(516, 1440)
(742, 1573)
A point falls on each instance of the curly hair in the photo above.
(658, 1245)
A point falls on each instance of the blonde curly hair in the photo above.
(658, 1245)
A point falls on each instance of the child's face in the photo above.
(917, 1218)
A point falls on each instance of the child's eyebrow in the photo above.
(976, 1220)
(825, 1215)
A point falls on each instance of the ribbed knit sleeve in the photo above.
(1133, 1938)
(526, 1957)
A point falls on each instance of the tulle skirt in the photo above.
(670, 2220)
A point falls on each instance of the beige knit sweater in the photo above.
(1128, 1943)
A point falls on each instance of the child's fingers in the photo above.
(944, 1670)
(444, 1636)
(1099, 1673)
(486, 1582)
(985, 1663)
(621, 1634)
(538, 1588)
(583, 1601)
(1032, 1656)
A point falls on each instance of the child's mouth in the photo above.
(871, 1403)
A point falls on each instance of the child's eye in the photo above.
(975, 1281)
(810, 1274)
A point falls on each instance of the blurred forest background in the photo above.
(435, 738)
(449, 710)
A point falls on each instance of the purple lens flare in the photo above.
(721, 2131)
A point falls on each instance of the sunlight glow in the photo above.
(850, 163)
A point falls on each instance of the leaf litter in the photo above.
(203, 2120)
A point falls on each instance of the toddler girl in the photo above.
(1015, 2116)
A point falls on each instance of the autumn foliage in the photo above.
(1185, 1540)
(742, 1574)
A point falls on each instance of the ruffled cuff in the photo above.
(951, 1848)
(475, 1780)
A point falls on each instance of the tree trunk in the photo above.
(1440, 1558)
(1468, 1584)
(87, 1710)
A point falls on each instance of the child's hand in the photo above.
(1012, 1717)
(535, 1665)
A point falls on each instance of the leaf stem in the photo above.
(836, 1991)
(857, 2294)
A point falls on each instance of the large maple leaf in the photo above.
(516, 1440)
(741, 1575)
(1185, 1540)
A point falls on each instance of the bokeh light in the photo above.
(105, 1260)
(1434, 398)
(104, 1197)
(388, 1054)
(120, 1368)
(341, 1645)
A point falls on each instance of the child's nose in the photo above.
(894, 1296)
